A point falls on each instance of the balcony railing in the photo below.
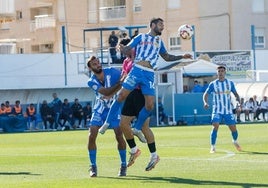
(115, 12)
(43, 21)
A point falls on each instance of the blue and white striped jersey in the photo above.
(111, 77)
(147, 48)
(221, 90)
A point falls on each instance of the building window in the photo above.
(259, 38)
(61, 10)
(7, 48)
(43, 48)
(174, 43)
(18, 15)
(112, 9)
(174, 4)
(35, 48)
(7, 7)
(92, 13)
(46, 48)
(258, 6)
(137, 5)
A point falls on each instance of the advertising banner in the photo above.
(236, 62)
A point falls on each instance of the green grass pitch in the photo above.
(60, 159)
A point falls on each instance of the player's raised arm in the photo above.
(169, 57)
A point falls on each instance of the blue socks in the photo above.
(143, 115)
(235, 135)
(92, 154)
(123, 157)
(213, 137)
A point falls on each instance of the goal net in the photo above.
(165, 94)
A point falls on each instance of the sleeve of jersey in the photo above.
(210, 88)
(163, 49)
(135, 41)
(233, 89)
(94, 84)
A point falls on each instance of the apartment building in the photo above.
(36, 26)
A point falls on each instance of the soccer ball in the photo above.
(186, 31)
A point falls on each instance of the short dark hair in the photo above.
(90, 59)
(221, 67)
(155, 21)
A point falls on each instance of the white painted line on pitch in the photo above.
(228, 154)
(212, 159)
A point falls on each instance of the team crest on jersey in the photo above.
(95, 87)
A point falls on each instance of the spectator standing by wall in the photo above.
(56, 105)
(136, 32)
(113, 41)
(124, 41)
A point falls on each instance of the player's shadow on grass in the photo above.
(177, 180)
(254, 152)
(18, 174)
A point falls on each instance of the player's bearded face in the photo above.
(159, 27)
(97, 70)
(96, 66)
